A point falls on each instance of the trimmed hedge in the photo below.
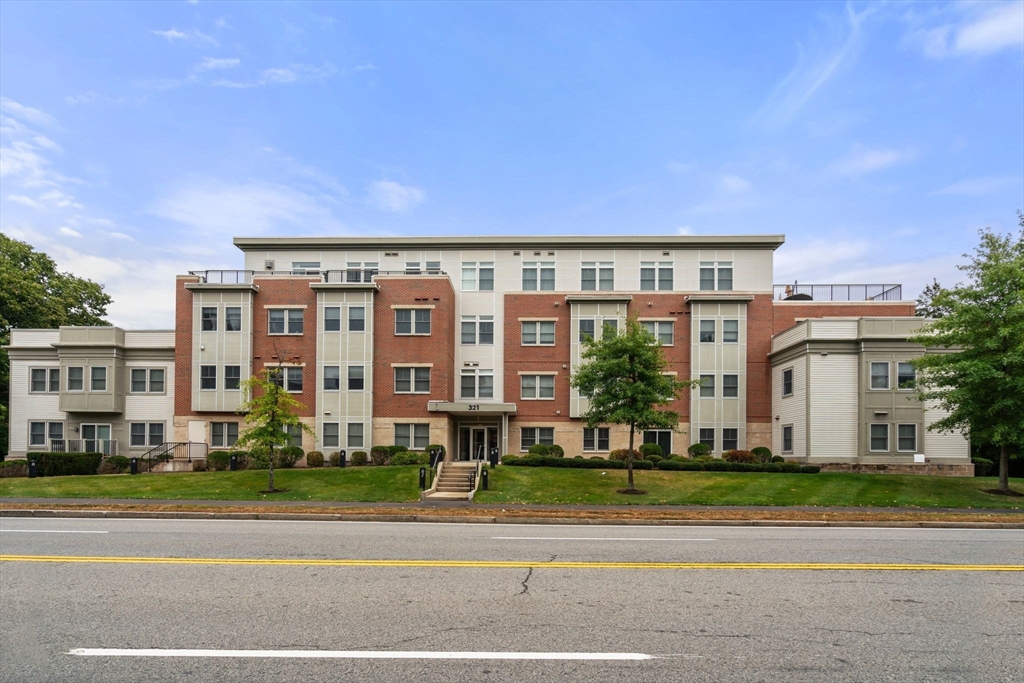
(395, 450)
(763, 453)
(739, 456)
(556, 451)
(65, 464)
(698, 449)
(358, 458)
(623, 453)
(578, 463)
(314, 459)
(540, 449)
(722, 466)
(13, 468)
(218, 461)
(982, 466)
(286, 457)
(410, 458)
(651, 449)
(379, 455)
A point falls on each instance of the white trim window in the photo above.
(597, 275)
(412, 321)
(730, 331)
(305, 267)
(208, 318)
(42, 433)
(332, 378)
(656, 275)
(587, 329)
(478, 276)
(787, 438)
(147, 381)
(538, 333)
(707, 332)
(412, 436)
(478, 329)
(44, 380)
(596, 439)
(529, 436)
(906, 438)
(716, 275)
(331, 435)
(145, 434)
(76, 378)
(361, 272)
(356, 319)
(538, 276)
(412, 380)
(537, 387)
(880, 376)
(223, 434)
(332, 318)
(730, 387)
(879, 436)
(730, 439)
(663, 330)
(98, 378)
(207, 377)
(286, 321)
(787, 382)
(707, 386)
(232, 318)
(232, 377)
(289, 379)
(477, 384)
(905, 375)
(356, 378)
(706, 435)
(354, 437)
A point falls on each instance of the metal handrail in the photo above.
(107, 447)
(840, 292)
(357, 275)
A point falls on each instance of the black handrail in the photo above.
(839, 292)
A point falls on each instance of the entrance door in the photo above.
(96, 438)
(479, 444)
(662, 437)
(475, 442)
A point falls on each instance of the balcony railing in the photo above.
(354, 275)
(107, 447)
(799, 292)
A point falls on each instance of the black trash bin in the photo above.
(33, 469)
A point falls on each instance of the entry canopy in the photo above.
(468, 409)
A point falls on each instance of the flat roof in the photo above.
(521, 242)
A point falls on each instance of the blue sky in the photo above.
(139, 138)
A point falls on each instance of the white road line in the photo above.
(356, 654)
(48, 531)
(591, 538)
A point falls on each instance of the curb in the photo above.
(498, 519)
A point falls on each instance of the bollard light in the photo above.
(483, 479)
(134, 466)
(423, 479)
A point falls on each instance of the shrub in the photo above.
(508, 458)
(540, 449)
(380, 455)
(13, 468)
(698, 449)
(335, 458)
(556, 451)
(596, 457)
(623, 453)
(809, 469)
(107, 467)
(778, 458)
(410, 458)
(432, 446)
(675, 456)
(669, 464)
(286, 457)
(791, 467)
(982, 466)
(744, 467)
(358, 458)
(716, 466)
(577, 457)
(653, 458)
(199, 466)
(651, 449)
(739, 456)
(314, 459)
(65, 464)
(771, 467)
(763, 453)
(394, 450)
(120, 463)
(218, 461)
(703, 458)
(257, 461)
(691, 466)
(596, 463)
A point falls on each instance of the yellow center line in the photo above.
(515, 564)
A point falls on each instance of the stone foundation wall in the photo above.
(927, 468)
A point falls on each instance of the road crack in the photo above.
(525, 582)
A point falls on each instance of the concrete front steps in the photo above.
(453, 482)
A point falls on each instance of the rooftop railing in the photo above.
(799, 292)
(354, 275)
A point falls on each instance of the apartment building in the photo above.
(469, 342)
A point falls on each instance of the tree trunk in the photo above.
(270, 485)
(629, 459)
(1004, 468)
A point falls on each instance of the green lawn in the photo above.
(598, 487)
(364, 484)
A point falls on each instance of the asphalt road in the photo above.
(619, 603)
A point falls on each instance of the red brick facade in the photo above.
(786, 313)
(183, 345)
(653, 305)
(759, 370)
(540, 359)
(268, 351)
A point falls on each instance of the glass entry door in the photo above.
(96, 438)
(476, 442)
(661, 437)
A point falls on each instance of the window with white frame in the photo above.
(208, 318)
(412, 436)
(232, 377)
(412, 267)
(223, 434)
(412, 321)
(305, 267)
(360, 272)
(289, 379)
(354, 437)
(609, 328)
(294, 433)
(332, 318)
(54, 384)
(537, 387)
(232, 319)
(906, 438)
(285, 321)
(98, 378)
(207, 377)
(356, 319)
(331, 435)
(595, 438)
(147, 380)
(332, 378)
(730, 386)
(433, 267)
(478, 329)
(477, 276)
(412, 380)
(597, 275)
(707, 386)
(356, 378)
(477, 384)
(538, 333)
(707, 331)
(75, 379)
(145, 434)
(879, 437)
(880, 375)
(787, 382)
(730, 439)
(534, 435)
(787, 438)
(44, 380)
(716, 275)
(706, 436)
(587, 329)
(730, 331)
(538, 275)
(905, 375)
(655, 275)
(663, 330)
(40, 432)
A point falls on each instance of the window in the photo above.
(54, 380)
(730, 439)
(55, 431)
(706, 436)
(233, 319)
(208, 315)
(594, 275)
(433, 267)
(141, 434)
(787, 382)
(880, 437)
(586, 330)
(332, 319)
(332, 435)
(730, 331)
(478, 384)
(474, 278)
(412, 436)
(355, 378)
(537, 386)
(305, 267)
(156, 381)
(137, 434)
(293, 379)
(707, 331)
(38, 381)
(880, 375)
(143, 380)
(412, 380)
(39, 432)
(906, 438)
(707, 276)
(662, 329)
(707, 386)
(481, 332)
(538, 276)
(655, 275)
(610, 328)
(75, 379)
(354, 438)
(356, 319)
(232, 377)
(332, 378)
(412, 321)
(354, 274)
(731, 386)
(708, 272)
(905, 375)
(725, 276)
(787, 438)
(98, 379)
(223, 434)
(595, 439)
(538, 333)
(139, 376)
(282, 319)
(43, 380)
(533, 435)
(207, 376)
(294, 433)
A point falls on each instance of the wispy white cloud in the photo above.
(387, 195)
(26, 201)
(686, 230)
(976, 187)
(68, 232)
(294, 73)
(733, 184)
(213, 63)
(194, 36)
(60, 199)
(679, 167)
(279, 76)
(966, 28)
(29, 114)
(998, 28)
(864, 160)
